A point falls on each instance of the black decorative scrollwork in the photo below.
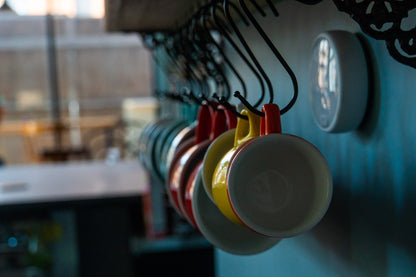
(386, 20)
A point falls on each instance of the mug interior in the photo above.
(279, 185)
(221, 232)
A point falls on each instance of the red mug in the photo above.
(177, 165)
(223, 120)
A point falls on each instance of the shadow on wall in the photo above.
(379, 228)
(371, 223)
(371, 117)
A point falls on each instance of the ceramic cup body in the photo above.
(172, 141)
(278, 185)
(180, 138)
(192, 160)
(184, 158)
(162, 140)
(142, 146)
(189, 191)
(147, 141)
(172, 184)
(188, 162)
(215, 152)
(221, 232)
(245, 131)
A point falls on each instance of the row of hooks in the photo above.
(197, 54)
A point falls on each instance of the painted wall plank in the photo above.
(370, 228)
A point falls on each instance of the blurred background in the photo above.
(71, 92)
(97, 79)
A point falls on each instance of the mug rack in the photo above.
(386, 20)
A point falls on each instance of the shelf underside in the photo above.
(150, 15)
(147, 15)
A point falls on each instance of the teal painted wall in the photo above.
(370, 227)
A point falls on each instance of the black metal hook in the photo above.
(175, 96)
(198, 39)
(186, 49)
(192, 56)
(275, 52)
(173, 50)
(218, 74)
(188, 93)
(223, 101)
(226, 6)
(166, 44)
(214, 107)
(247, 104)
(223, 29)
(204, 23)
(273, 8)
(152, 44)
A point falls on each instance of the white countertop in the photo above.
(71, 181)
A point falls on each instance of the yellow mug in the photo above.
(246, 130)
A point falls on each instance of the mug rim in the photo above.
(262, 244)
(227, 136)
(163, 139)
(196, 154)
(181, 151)
(236, 206)
(189, 190)
(180, 138)
(157, 140)
(147, 138)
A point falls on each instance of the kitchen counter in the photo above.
(52, 183)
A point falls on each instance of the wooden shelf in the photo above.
(150, 15)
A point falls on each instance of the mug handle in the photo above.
(247, 129)
(219, 124)
(270, 123)
(223, 120)
(231, 118)
(203, 127)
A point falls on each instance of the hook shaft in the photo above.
(226, 6)
(222, 28)
(229, 107)
(204, 20)
(276, 53)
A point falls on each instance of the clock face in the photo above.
(325, 82)
(338, 81)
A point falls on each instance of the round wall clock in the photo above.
(338, 81)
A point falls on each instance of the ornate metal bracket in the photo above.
(386, 20)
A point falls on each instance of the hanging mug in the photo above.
(217, 149)
(246, 130)
(278, 185)
(221, 232)
(223, 120)
(180, 167)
